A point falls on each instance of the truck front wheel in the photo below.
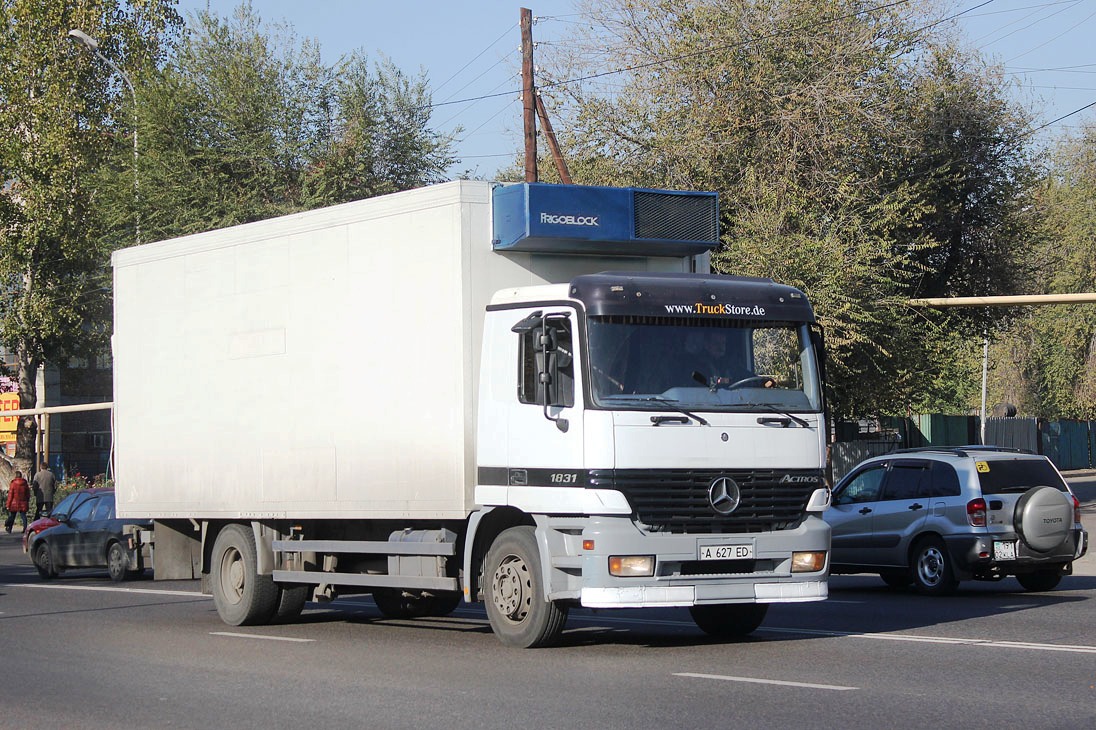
(517, 604)
(242, 596)
(729, 620)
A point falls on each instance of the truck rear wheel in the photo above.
(729, 620)
(242, 596)
(291, 600)
(517, 605)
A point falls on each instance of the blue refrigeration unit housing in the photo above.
(578, 219)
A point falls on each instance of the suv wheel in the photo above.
(1041, 580)
(930, 568)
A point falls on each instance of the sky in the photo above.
(471, 49)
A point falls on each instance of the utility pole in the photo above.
(533, 107)
(553, 144)
(528, 96)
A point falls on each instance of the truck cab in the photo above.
(664, 436)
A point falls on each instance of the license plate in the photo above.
(1004, 550)
(726, 552)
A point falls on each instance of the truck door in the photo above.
(545, 439)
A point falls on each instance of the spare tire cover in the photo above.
(1044, 518)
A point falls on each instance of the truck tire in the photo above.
(291, 600)
(729, 620)
(242, 596)
(517, 605)
(1043, 518)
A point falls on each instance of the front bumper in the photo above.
(681, 579)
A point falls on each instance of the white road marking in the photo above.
(756, 680)
(958, 641)
(461, 613)
(109, 589)
(260, 636)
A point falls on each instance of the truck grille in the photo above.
(677, 501)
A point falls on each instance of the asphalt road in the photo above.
(81, 652)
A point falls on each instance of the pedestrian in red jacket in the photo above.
(18, 501)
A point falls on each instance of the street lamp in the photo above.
(92, 45)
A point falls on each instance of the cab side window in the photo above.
(556, 361)
(864, 487)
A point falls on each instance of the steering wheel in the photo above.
(764, 381)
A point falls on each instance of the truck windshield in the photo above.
(729, 365)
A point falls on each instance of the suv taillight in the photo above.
(1076, 509)
(976, 512)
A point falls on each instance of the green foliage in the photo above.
(856, 154)
(245, 122)
(60, 112)
(1049, 357)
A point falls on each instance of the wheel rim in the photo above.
(43, 559)
(232, 575)
(114, 560)
(930, 566)
(512, 588)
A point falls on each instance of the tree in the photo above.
(1047, 360)
(845, 141)
(62, 113)
(245, 122)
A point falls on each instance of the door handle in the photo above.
(782, 422)
(916, 505)
(865, 510)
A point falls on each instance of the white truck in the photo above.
(434, 396)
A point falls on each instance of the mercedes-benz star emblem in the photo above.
(724, 495)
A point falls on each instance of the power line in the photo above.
(476, 58)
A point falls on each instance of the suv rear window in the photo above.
(1017, 475)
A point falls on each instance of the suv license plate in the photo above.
(726, 552)
(1004, 550)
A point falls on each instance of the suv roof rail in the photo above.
(962, 450)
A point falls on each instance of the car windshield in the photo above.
(728, 365)
(1001, 476)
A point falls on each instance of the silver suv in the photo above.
(934, 517)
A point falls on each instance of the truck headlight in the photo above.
(632, 566)
(811, 562)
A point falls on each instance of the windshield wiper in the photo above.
(774, 409)
(674, 406)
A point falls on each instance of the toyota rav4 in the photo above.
(934, 517)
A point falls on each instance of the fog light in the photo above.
(632, 566)
(808, 562)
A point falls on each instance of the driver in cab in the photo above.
(718, 368)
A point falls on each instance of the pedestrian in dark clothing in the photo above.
(18, 501)
(44, 486)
